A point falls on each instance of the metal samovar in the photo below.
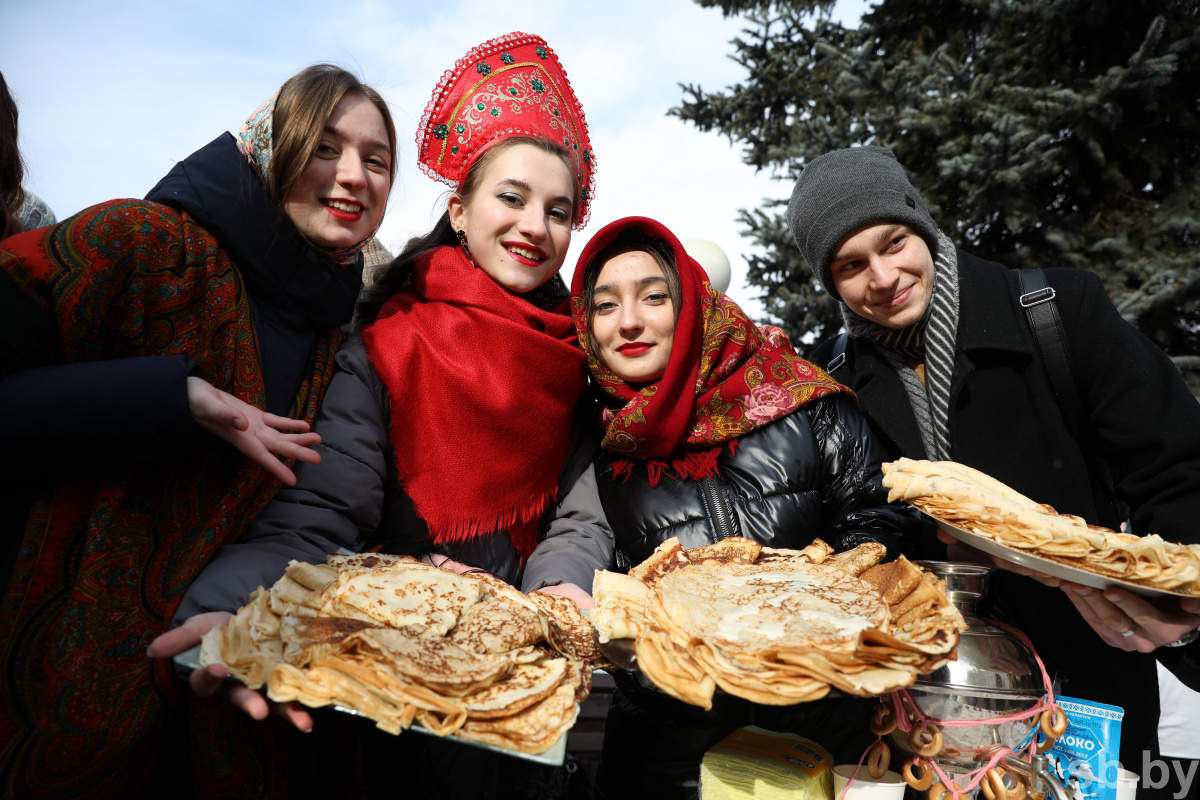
(995, 675)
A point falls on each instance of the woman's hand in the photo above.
(571, 592)
(1128, 622)
(445, 562)
(210, 680)
(256, 434)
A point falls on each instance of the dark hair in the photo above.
(631, 240)
(395, 276)
(305, 102)
(12, 168)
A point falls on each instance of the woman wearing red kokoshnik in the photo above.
(451, 426)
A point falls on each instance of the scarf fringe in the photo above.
(521, 522)
(692, 466)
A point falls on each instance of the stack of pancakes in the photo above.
(399, 642)
(777, 626)
(969, 499)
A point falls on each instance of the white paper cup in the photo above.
(864, 787)
(1127, 783)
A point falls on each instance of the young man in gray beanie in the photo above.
(947, 367)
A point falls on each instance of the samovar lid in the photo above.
(990, 660)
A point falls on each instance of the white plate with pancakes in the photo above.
(190, 660)
(1046, 566)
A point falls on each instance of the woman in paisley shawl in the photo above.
(135, 335)
(714, 427)
(451, 426)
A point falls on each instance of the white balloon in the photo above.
(713, 259)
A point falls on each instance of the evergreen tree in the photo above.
(1040, 132)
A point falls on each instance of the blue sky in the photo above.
(111, 95)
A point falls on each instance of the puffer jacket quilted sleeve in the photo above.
(854, 502)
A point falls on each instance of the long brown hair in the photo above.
(12, 168)
(395, 276)
(305, 102)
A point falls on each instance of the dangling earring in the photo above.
(462, 242)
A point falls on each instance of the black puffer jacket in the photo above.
(812, 474)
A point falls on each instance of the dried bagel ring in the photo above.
(883, 721)
(940, 791)
(1054, 721)
(1045, 744)
(926, 739)
(878, 759)
(992, 785)
(926, 779)
(994, 788)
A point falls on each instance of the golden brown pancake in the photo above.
(975, 502)
(857, 561)
(782, 630)
(404, 643)
(667, 557)
(732, 550)
(307, 637)
(497, 625)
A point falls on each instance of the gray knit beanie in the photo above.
(845, 190)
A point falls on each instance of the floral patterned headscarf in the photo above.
(725, 377)
(255, 141)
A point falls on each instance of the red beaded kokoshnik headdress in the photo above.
(509, 86)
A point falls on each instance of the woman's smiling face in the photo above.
(518, 221)
(632, 317)
(341, 196)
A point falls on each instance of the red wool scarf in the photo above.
(725, 378)
(483, 387)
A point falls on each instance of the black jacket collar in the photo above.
(987, 308)
(293, 281)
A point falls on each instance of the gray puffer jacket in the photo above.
(352, 500)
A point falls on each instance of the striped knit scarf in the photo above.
(931, 340)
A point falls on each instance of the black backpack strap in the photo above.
(1037, 298)
(839, 352)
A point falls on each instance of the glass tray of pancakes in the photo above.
(554, 757)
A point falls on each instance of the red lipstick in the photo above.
(634, 348)
(520, 259)
(345, 216)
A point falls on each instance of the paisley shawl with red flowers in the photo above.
(725, 377)
(107, 555)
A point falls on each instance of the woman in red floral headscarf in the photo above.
(714, 428)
